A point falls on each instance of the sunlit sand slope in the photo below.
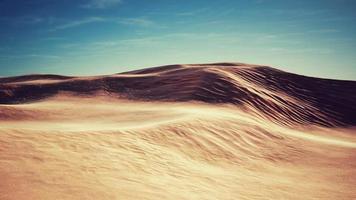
(222, 131)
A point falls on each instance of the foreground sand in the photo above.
(71, 147)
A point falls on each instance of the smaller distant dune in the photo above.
(34, 78)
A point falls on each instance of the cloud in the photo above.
(139, 22)
(136, 22)
(27, 56)
(80, 22)
(165, 38)
(301, 50)
(23, 20)
(147, 41)
(325, 31)
(31, 20)
(53, 39)
(193, 12)
(101, 4)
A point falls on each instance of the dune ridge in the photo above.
(280, 96)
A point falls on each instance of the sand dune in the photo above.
(211, 131)
(280, 96)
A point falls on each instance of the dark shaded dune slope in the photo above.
(283, 97)
(33, 77)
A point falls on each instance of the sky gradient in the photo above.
(89, 37)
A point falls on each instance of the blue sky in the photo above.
(86, 37)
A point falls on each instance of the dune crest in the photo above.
(280, 96)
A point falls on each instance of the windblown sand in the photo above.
(208, 131)
(72, 147)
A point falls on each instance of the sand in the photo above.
(100, 145)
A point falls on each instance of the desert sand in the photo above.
(212, 131)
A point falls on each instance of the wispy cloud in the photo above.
(101, 4)
(53, 39)
(325, 31)
(42, 56)
(193, 12)
(299, 12)
(136, 21)
(31, 20)
(301, 50)
(260, 1)
(23, 20)
(154, 40)
(79, 22)
(26, 56)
